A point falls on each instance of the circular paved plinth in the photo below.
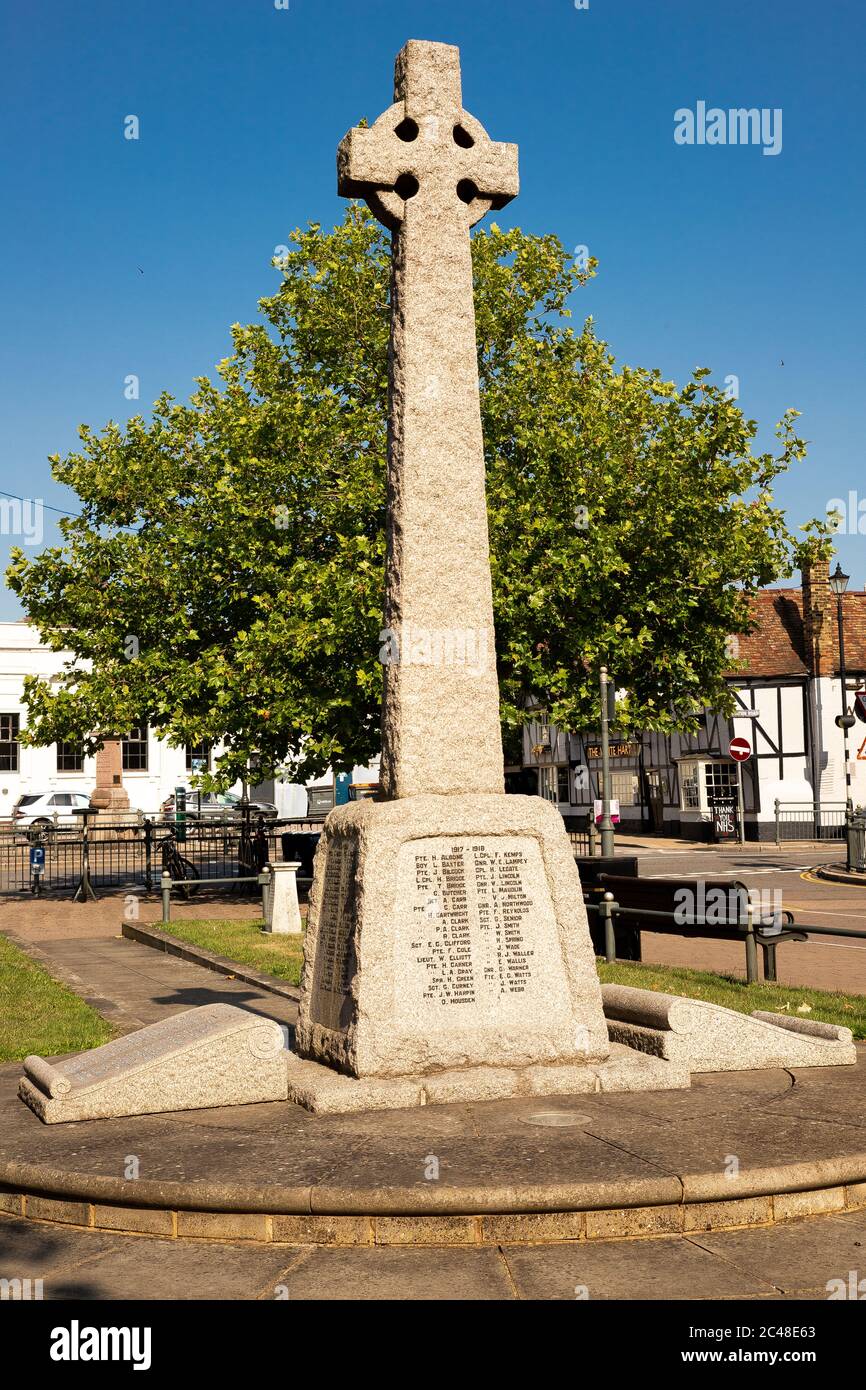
(737, 1149)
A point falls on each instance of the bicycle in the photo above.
(180, 870)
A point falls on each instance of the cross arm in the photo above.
(494, 172)
(366, 157)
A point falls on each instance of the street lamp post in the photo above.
(606, 824)
(839, 583)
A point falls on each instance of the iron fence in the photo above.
(133, 854)
(803, 820)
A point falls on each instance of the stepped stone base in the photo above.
(325, 1091)
(701, 1037)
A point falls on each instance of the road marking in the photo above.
(744, 873)
(823, 911)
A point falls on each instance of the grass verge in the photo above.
(282, 956)
(244, 941)
(39, 1014)
(823, 1005)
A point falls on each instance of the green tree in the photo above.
(224, 577)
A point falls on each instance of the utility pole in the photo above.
(839, 583)
(606, 826)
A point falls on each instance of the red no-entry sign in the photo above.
(740, 750)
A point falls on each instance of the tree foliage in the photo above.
(224, 577)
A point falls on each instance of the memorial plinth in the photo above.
(448, 932)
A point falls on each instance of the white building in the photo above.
(151, 768)
(791, 680)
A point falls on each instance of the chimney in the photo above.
(819, 610)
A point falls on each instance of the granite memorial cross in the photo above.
(447, 954)
(440, 668)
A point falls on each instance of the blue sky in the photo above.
(123, 257)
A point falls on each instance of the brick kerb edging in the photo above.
(424, 1229)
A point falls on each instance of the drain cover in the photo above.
(557, 1119)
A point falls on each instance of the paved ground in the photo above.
(763, 1118)
(794, 1261)
(133, 985)
(728, 1137)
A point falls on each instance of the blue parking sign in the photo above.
(37, 858)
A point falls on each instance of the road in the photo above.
(822, 962)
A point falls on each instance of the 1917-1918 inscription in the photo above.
(476, 937)
(334, 956)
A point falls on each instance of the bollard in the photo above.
(165, 887)
(148, 853)
(855, 835)
(751, 947)
(607, 906)
(266, 882)
(285, 914)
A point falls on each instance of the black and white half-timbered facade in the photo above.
(788, 688)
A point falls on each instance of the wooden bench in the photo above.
(716, 909)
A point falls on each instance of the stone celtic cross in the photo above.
(429, 171)
(447, 947)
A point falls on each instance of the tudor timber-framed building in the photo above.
(665, 783)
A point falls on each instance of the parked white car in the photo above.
(218, 806)
(38, 809)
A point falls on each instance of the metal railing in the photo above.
(115, 854)
(264, 880)
(583, 837)
(608, 909)
(804, 820)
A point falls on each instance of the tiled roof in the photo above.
(777, 646)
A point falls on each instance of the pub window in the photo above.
(721, 780)
(623, 788)
(9, 728)
(547, 783)
(563, 785)
(70, 757)
(690, 787)
(198, 756)
(134, 747)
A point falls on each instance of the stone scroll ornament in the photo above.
(211, 1056)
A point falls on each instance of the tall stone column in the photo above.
(110, 793)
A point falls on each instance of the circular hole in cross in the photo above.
(406, 186)
(463, 138)
(467, 191)
(407, 129)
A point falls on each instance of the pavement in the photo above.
(794, 1261)
(132, 985)
(733, 1142)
